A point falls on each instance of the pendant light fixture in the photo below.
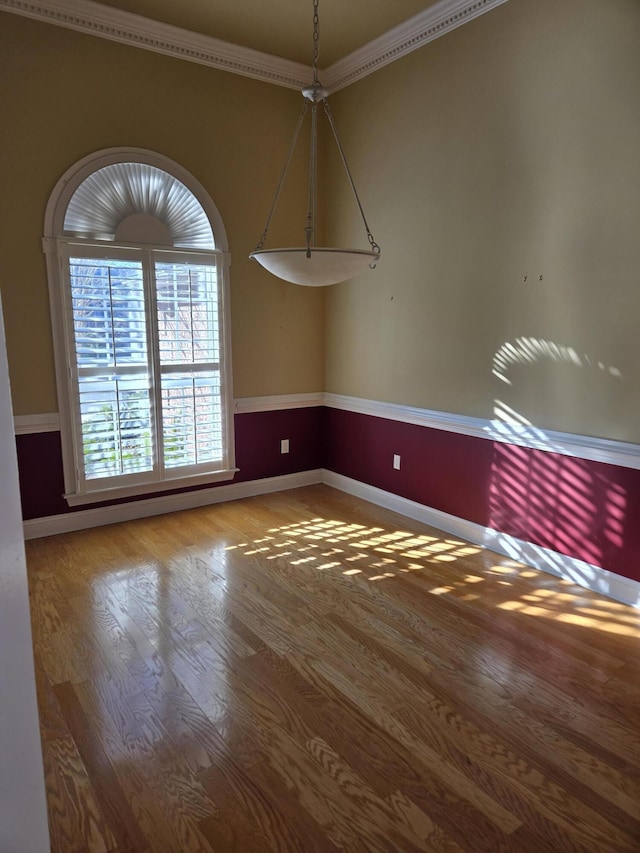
(313, 265)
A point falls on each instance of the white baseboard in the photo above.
(100, 516)
(577, 571)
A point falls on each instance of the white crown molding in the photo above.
(51, 525)
(278, 401)
(96, 19)
(25, 424)
(103, 21)
(586, 575)
(524, 435)
(424, 27)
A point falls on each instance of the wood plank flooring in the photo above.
(306, 672)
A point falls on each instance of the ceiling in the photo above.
(283, 28)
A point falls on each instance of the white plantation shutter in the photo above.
(145, 335)
(146, 355)
(114, 396)
(189, 348)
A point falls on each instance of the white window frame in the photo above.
(57, 247)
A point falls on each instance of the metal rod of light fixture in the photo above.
(310, 230)
(332, 124)
(285, 169)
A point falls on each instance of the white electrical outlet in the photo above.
(284, 445)
(396, 461)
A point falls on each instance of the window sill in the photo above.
(159, 487)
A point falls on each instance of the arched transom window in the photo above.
(138, 279)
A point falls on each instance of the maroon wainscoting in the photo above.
(439, 469)
(587, 510)
(257, 436)
(41, 474)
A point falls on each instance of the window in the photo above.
(139, 299)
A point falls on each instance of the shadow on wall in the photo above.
(536, 492)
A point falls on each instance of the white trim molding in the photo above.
(100, 20)
(424, 27)
(26, 424)
(278, 402)
(583, 574)
(606, 450)
(51, 525)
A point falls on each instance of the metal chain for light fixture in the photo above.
(316, 41)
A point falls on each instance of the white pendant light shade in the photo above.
(325, 266)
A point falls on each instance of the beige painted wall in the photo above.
(509, 147)
(64, 95)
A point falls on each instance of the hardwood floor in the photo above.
(306, 672)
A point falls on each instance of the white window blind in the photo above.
(113, 371)
(189, 349)
(145, 335)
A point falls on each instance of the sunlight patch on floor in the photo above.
(333, 547)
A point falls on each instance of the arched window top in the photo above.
(135, 196)
(139, 296)
(122, 201)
